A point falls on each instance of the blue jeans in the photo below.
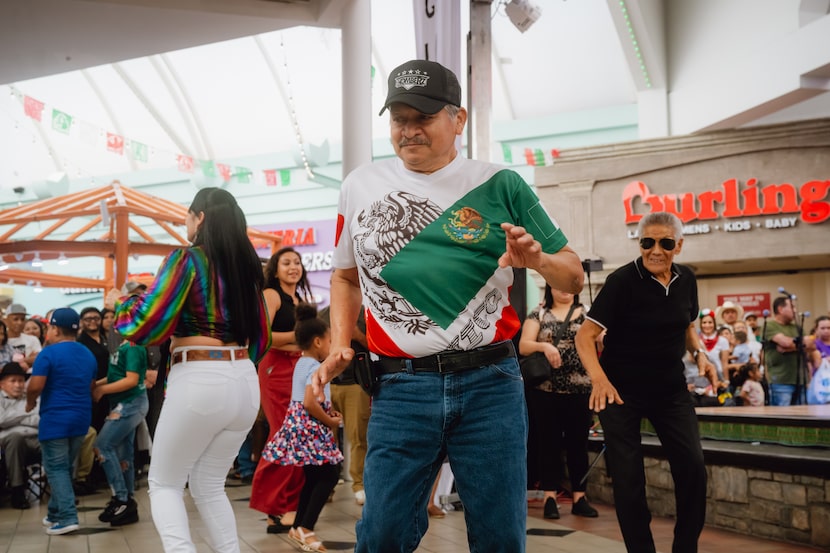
(116, 441)
(246, 466)
(478, 419)
(782, 395)
(58, 458)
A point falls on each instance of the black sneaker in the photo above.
(583, 509)
(109, 510)
(551, 509)
(125, 513)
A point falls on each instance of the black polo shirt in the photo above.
(646, 326)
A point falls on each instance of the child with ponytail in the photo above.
(307, 436)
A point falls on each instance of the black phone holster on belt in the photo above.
(364, 372)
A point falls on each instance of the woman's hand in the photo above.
(553, 356)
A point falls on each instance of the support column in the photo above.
(357, 84)
(479, 81)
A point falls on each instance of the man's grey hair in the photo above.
(662, 218)
(452, 110)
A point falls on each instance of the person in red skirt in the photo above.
(276, 488)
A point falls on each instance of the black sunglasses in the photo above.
(667, 244)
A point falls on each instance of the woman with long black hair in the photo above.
(276, 488)
(208, 297)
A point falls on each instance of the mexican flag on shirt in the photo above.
(464, 244)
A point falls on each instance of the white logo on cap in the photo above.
(410, 79)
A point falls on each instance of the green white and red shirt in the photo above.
(426, 248)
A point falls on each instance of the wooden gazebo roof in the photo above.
(110, 222)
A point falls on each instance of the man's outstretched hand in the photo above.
(521, 249)
(334, 364)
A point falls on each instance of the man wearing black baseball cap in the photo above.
(62, 376)
(427, 242)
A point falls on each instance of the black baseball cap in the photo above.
(424, 85)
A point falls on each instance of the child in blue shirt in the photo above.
(307, 436)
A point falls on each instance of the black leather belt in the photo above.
(448, 361)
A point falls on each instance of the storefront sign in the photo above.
(735, 200)
(751, 302)
(296, 236)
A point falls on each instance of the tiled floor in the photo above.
(21, 531)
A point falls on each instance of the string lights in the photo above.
(293, 111)
(636, 45)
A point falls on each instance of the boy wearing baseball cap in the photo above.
(62, 376)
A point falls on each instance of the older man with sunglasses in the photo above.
(648, 308)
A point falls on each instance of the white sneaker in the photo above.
(360, 497)
(46, 522)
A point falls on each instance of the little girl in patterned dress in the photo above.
(307, 436)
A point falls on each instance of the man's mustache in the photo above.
(417, 141)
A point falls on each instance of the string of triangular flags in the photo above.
(89, 134)
(536, 157)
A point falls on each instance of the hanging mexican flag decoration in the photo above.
(507, 152)
(185, 163)
(32, 108)
(61, 121)
(224, 171)
(115, 143)
(208, 168)
(138, 151)
(270, 177)
(242, 174)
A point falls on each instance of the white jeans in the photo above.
(209, 408)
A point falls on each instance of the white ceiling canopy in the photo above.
(219, 86)
(147, 81)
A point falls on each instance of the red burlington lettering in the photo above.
(773, 199)
(708, 200)
(813, 211)
(731, 205)
(750, 195)
(634, 189)
(687, 206)
(787, 194)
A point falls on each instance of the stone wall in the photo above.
(774, 505)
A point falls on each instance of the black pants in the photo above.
(319, 481)
(676, 424)
(557, 422)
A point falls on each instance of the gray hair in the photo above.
(452, 110)
(662, 218)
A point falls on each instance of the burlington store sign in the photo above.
(727, 208)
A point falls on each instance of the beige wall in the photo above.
(583, 190)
